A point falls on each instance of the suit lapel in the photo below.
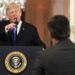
(22, 30)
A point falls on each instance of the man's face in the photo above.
(14, 14)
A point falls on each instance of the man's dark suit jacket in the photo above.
(56, 60)
(27, 36)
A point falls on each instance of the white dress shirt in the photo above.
(18, 27)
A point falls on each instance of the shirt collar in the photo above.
(19, 24)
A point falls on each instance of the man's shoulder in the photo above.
(28, 25)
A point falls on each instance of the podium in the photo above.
(10, 56)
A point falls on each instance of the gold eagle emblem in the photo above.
(15, 62)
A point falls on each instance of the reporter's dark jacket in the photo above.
(56, 60)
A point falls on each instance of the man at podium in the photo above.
(26, 34)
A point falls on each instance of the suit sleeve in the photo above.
(38, 67)
(3, 35)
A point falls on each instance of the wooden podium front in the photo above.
(17, 60)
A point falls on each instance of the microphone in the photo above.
(16, 22)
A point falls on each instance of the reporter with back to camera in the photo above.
(58, 59)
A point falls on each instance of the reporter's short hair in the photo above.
(59, 27)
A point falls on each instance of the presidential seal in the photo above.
(15, 62)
